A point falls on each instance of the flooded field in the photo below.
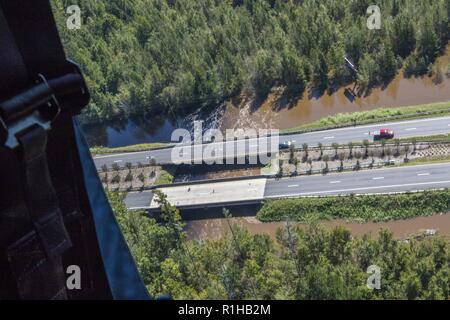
(216, 228)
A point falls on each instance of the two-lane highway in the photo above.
(399, 179)
(403, 129)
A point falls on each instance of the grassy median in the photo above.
(376, 116)
(131, 148)
(357, 208)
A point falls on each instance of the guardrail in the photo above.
(355, 194)
(204, 181)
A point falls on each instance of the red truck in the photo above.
(383, 134)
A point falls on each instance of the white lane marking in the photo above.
(366, 133)
(116, 161)
(378, 178)
(293, 140)
(334, 182)
(327, 138)
(424, 174)
(253, 146)
(253, 189)
(293, 186)
(410, 129)
(360, 189)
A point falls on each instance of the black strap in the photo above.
(38, 251)
(41, 198)
(36, 254)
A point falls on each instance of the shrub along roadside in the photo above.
(357, 208)
(164, 178)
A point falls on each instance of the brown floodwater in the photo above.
(275, 114)
(216, 228)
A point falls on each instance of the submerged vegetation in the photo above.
(301, 264)
(146, 57)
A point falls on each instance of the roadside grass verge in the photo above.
(436, 138)
(362, 208)
(426, 160)
(131, 148)
(375, 116)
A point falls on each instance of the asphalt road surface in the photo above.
(254, 146)
(389, 180)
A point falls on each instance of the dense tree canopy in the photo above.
(304, 263)
(170, 56)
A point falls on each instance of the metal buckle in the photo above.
(71, 89)
(39, 105)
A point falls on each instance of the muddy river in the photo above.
(216, 228)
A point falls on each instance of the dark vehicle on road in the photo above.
(284, 145)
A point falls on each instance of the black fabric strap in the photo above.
(41, 198)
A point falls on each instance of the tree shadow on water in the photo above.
(288, 98)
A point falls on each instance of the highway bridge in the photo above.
(403, 129)
(248, 191)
